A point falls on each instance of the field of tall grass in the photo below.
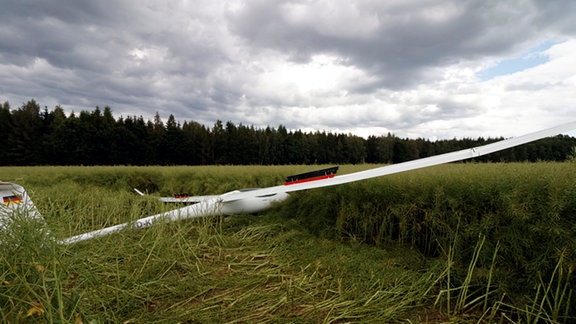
(455, 243)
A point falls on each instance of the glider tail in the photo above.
(17, 209)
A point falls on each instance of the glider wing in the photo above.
(406, 166)
(204, 208)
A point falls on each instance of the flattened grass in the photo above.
(205, 271)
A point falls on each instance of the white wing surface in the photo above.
(406, 166)
(205, 208)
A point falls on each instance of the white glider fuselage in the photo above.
(226, 206)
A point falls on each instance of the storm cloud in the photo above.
(367, 67)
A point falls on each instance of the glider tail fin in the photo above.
(16, 207)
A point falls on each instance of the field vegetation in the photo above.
(466, 242)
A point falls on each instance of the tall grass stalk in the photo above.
(490, 277)
(461, 301)
(552, 301)
(465, 299)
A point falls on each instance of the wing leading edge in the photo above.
(407, 166)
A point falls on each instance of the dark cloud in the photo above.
(401, 39)
(207, 60)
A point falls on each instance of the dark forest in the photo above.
(35, 136)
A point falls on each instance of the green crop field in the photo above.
(463, 243)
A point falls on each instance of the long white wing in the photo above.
(406, 166)
(205, 208)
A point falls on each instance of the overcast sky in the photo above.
(416, 68)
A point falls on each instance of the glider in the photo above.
(15, 200)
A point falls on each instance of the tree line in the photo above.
(35, 136)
